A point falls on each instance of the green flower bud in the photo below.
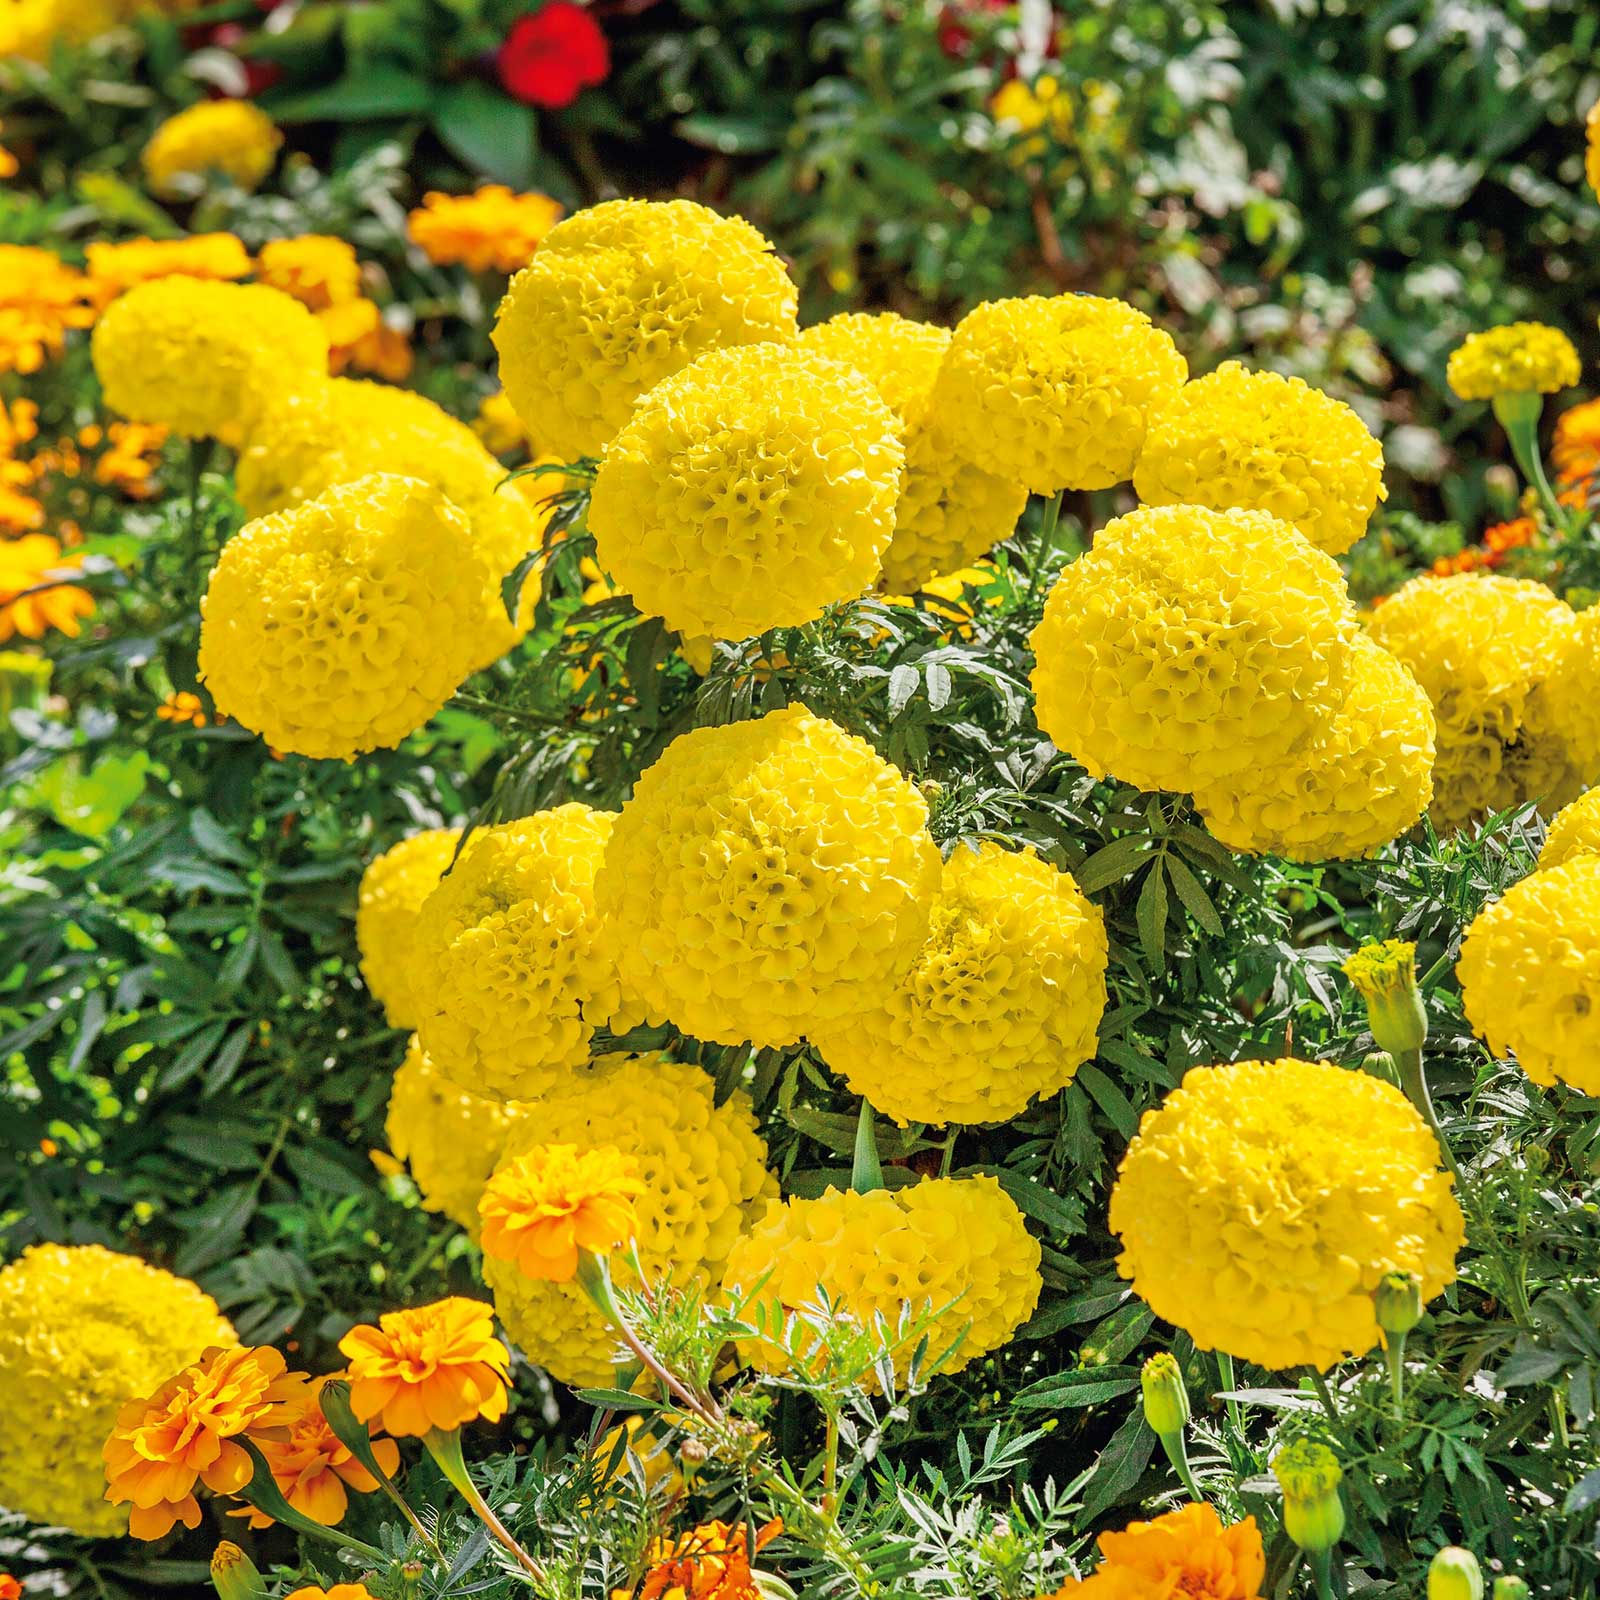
(1380, 1064)
(1510, 1587)
(1166, 1400)
(1309, 1475)
(234, 1574)
(1385, 976)
(1398, 1302)
(1454, 1574)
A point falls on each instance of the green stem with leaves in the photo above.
(445, 1448)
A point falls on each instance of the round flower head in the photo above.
(514, 972)
(1519, 358)
(955, 1251)
(318, 269)
(340, 1591)
(1054, 392)
(1261, 1205)
(1001, 1005)
(342, 625)
(1257, 441)
(392, 891)
(1360, 780)
(1574, 831)
(749, 491)
(621, 296)
(767, 878)
(489, 230)
(541, 1208)
(1530, 974)
(897, 356)
(434, 1366)
(702, 1173)
(1566, 703)
(82, 1328)
(1188, 1552)
(1575, 449)
(232, 137)
(450, 1139)
(204, 358)
(1190, 645)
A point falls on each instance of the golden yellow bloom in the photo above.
(1519, 358)
(710, 1562)
(620, 297)
(490, 230)
(1591, 157)
(434, 1366)
(9, 165)
(1257, 441)
(499, 426)
(340, 1591)
(82, 1328)
(34, 596)
(316, 269)
(749, 491)
(1189, 1552)
(1575, 450)
(1055, 392)
(1262, 1203)
(1565, 705)
(1037, 112)
(392, 891)
(898, 357)
(30, 28)
(183, 706)
(1574, 831)
(1002, 1003)
(231, 137)
(116, 268)
(361, 339)
(542, 1207)
(41, 300)
(767, 879)
(131, 453)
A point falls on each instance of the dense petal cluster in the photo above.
(514, 969)
(622, 296)
(899, 357)
(710, 1562)
(41, 300)
(1530, 974)
(116, 268)
(548, 1203)
(1574, 831)
(1189, 645)
(1566, 703)
(434, 1366)
(205, 358)
(1189, 1552)
(317, 269)
(749, 491)
(702, 1168)
(232, 137)
(1002, 1004)
(1575, 449)
(1363, 778)
(767, 878)
(343, 624)
(1261, 1204)
(1055, 392)
(81, 1329)
(1518, 358)
(1258, 441)
(392, 891)
(955, 1251)
(489, 230)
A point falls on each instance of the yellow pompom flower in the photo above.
(1574, 831)
(342, 625)
(622, 296)
(953, 1247)
(749, 491)
(899, 357)
(768, 878)
(1360, 780)
(204, 358)
(1519, 358)
(1257, 441)
(543, 1207)
(81, 1329)
(514, 971)
(392, 891)
(1189, 645)
(1566, 703)
(1591, 155)
(1002, 1004)
(232, 137)
(703, 1173)
(1055, 391)
(1530, 974)
(1261, 1204)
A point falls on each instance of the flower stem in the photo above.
(1177, 1451)
(1394, 1357)
(1414, 1080)
(1230, 1382)
(1322, 1570)
(1324, 1394)
(1522, 429)
(263, 1493)
(445, 1448)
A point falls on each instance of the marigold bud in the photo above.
(234, 1575)
(1381, 1065)
(1309, 1475)
(1166, 1400)
(1385, 975)
(1398, 1302)
(1454, 1574)
(1510, 1587)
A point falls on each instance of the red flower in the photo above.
(552, 53)
(955, 37)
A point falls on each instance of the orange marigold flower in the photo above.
(491, 230)
(435, 1366)
(317, 269)
(9, 168)
(1187, 1552)
(360, 340)
(540, 1210)
(1575, 450)
(33, 594)
(129, 457)
(10, 1589)
(41, 298)
(340, 1591)
(116, 268)
(710, 1563)
(182, 707)
(184, 1434)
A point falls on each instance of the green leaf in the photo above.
(1088, 1386)
(1195, 900)
(375, 92)
(489, 132)
(1151, 915)
(1119, 1468)
(1111, 1100)
(1114, 862)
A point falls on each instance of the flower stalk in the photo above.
(445, 1449)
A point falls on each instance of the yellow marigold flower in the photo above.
(1591, 157)
(34, 596)
(620, 297)
(767, 878)
(749, 491)
(392, 891)
(1038, 112)
(183, 706)
(41, 300)
(1190, 645)
(1189, 1552)
(898, 357)
(232, 137)
(116, 268)
(30, 28)
(1360, 779)
(1575, 450)
(704, 1175)
(499, 426)
(342, 625)
(434, 1366)
(542, 1207)
(710, 1562)
(1519, 358)
(955, 1249)
(1574, 831)
(360, 339)
(490, 230)
(1055, 391)
(317, 269)
(513, 968)
(82, 1328)
(1002, 1004)
(1530, 974)
(204, 358)
(1566, 703)
(1257, 441)
(1275, 1260)
(1480, 646)
(185, 1432)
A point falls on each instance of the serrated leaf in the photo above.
(1193, 895)
(1151, 916)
